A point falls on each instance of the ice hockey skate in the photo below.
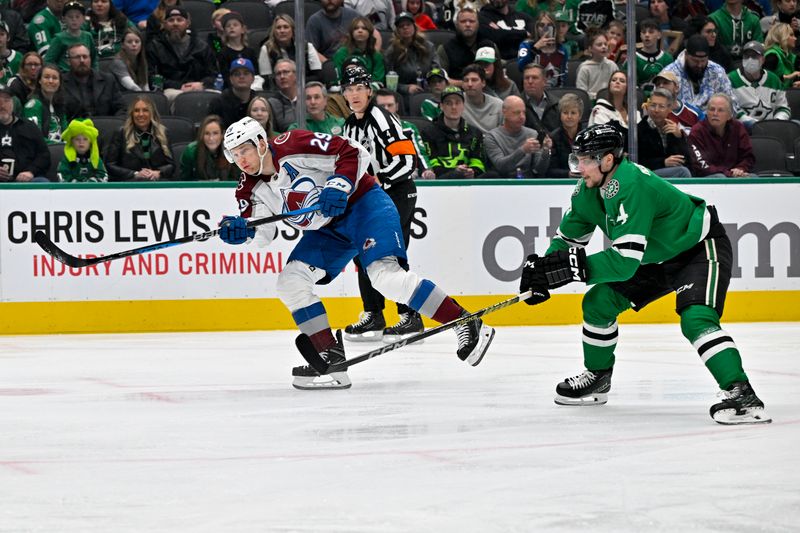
(588, 388)
(369, 328)
(739, 405)
(409, 324)
(474, 339)
(306, 378)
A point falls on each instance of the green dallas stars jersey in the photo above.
(647, 219)
(42, 28)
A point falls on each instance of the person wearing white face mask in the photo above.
(758, 93)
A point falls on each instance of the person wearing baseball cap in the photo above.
(10, 59)
(410, 55)
(757, 92)
(699, 76)
(437, 81)
(231, 104)
(74, 16)
(685, 115)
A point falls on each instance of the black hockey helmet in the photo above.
(356, 75)
(600, 139)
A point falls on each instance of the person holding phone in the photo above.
(545, 49)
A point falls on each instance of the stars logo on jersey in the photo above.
(303, 192)
(577, 190)
(612, 189)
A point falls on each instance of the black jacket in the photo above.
(122, 164)
(103, 96)
(456, 54)
(513, 29)
(26, 147)
(551, 118)
(198, 63)
(652, 152)
(449, 148)
(17, 33)
(228, 106)
(559, 155)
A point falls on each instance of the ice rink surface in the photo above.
(203, 432)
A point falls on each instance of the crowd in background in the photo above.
(101, 90)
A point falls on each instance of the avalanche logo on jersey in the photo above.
(302, 193)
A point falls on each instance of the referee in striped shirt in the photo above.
(394, 160)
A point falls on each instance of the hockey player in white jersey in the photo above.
(356, 218)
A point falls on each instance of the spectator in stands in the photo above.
(260, 110)
(137, 11)
(203, 160)
(74, 17)
(107, 26)
(23, 155)
(437, 81)
(455, 147)
(614, 106)
(505, 27)
(24, 83)
(88, 92)
(45, 107)
(140, 150)
(779, 56)
(184, 60)
(570, 108)
(786, 12)
(327, 28)
(155, 21)
(130, 64)
(717, 53)
(360, 42)
(17, 32)
(214, 38)
(460, 51)
(10, 59)
(736, 25)
(390, 101)
(545, 49)
(758, 93)
(422, 11)
(231, 105)
(660, 10)
(45, 25)
(497, 83)
(283, 103)
(409, 54)
(81, 161)
(482, 111)
(280, 45)
(234, 46)
(565, 22)
(593, 15)
(720, 145)
(594, 73)
(380, 12)
(662, 144)
(513, 149)
(650, 58)
(615, 36)
(684, 114)
(698, 77)
(317, 117)
(541, 112)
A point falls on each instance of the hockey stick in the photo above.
(314, 359)
(77, 262)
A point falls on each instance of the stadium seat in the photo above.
(419, 122)
(256, 37)
(107, 126)
(179, 129)
(572, 71)
(199, 13)
(415, 103)
(558, 92)
(784, 130)
(513, 73)
(329, 74)
(770, 156)
(255, 14)
(386, 39)
(287, 8)
(438, 37)
(160, 101)
(193, 105)
(793, 97)
(177, 152)
(56, 153)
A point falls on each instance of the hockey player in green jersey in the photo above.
(662, 240)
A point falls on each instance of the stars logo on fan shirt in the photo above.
(612, 189)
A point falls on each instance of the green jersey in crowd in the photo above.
(36, 112)
(734, 33)
(81, 170)
(331, 124)
(648, 65)
(9, 66)
(43, 27)
(646, 218)
(59, 47)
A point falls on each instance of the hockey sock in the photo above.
(433, 302)
(700, 324)
(601, 305)
(313, 321)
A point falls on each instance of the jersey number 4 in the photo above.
(623, 216)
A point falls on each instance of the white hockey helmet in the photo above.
(241, 131)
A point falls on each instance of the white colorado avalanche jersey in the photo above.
(303, 161)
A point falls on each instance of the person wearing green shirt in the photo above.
(45, 107)
(45, 25)
(650, 59)
(437, 81)
(74, 17)
(203, 160)
(10, 60)
(360, 43)
(662, 241)
(107, 26)
(736, 25)
(81, 161)
(317, 118)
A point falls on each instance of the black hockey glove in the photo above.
(562, 267)
(533, 280)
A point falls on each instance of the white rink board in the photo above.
(469, 239)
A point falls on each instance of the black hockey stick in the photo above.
(77, 262)
(314, 359)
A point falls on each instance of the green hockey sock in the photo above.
(601, 305)
(700, 324)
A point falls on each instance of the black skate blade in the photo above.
(310, 354)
